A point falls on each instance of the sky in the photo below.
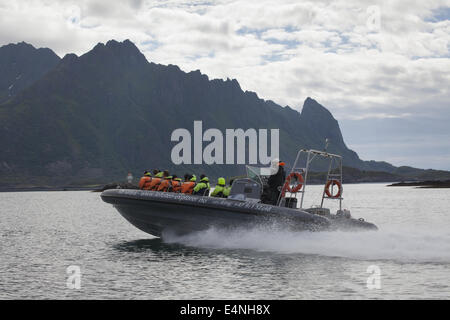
(381, 67)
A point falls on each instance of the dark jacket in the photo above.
(277, 180)
(272, 193)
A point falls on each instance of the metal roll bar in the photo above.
(310, 156)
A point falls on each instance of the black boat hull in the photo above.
(159, 212)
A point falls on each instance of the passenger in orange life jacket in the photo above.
(165, 182)
(176, 184)
(188, 184)
(144, 183)
(156, 180)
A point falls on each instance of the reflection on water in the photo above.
(155, 245)
(158, 247)
(42, 233)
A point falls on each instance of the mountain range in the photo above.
(93, 118)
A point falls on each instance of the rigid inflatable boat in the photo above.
(158, 213)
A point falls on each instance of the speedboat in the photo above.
(160, 213)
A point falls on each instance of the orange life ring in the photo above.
(328, 192)
(297, 188)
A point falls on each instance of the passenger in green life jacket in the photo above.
(227, 190)
(202, 188)
(219, 189)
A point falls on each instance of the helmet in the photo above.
(274, 163)
(221, 181)
(194, 178)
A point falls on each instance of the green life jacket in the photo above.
(202, 188)
(226, 191)
(218, 191)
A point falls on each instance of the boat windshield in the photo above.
(260, 174)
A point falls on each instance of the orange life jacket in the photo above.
(154, 184)
(187, 187)
(164, 185)
(176, 186)
(144, 183)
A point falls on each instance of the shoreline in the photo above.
(438, 184)
(99, 187)
(40, 189)
(430, 184)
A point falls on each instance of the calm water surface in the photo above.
(42, 233)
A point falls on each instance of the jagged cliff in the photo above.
(93, 118)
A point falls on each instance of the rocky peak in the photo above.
(21, 64)
(320, 120)
(121, 52)
(313, 110)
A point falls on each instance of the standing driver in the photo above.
(276, 182)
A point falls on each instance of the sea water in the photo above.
(50, 238)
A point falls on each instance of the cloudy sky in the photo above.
(381, 67)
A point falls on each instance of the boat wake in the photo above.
(403, 245)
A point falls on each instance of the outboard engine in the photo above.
(245, 190)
